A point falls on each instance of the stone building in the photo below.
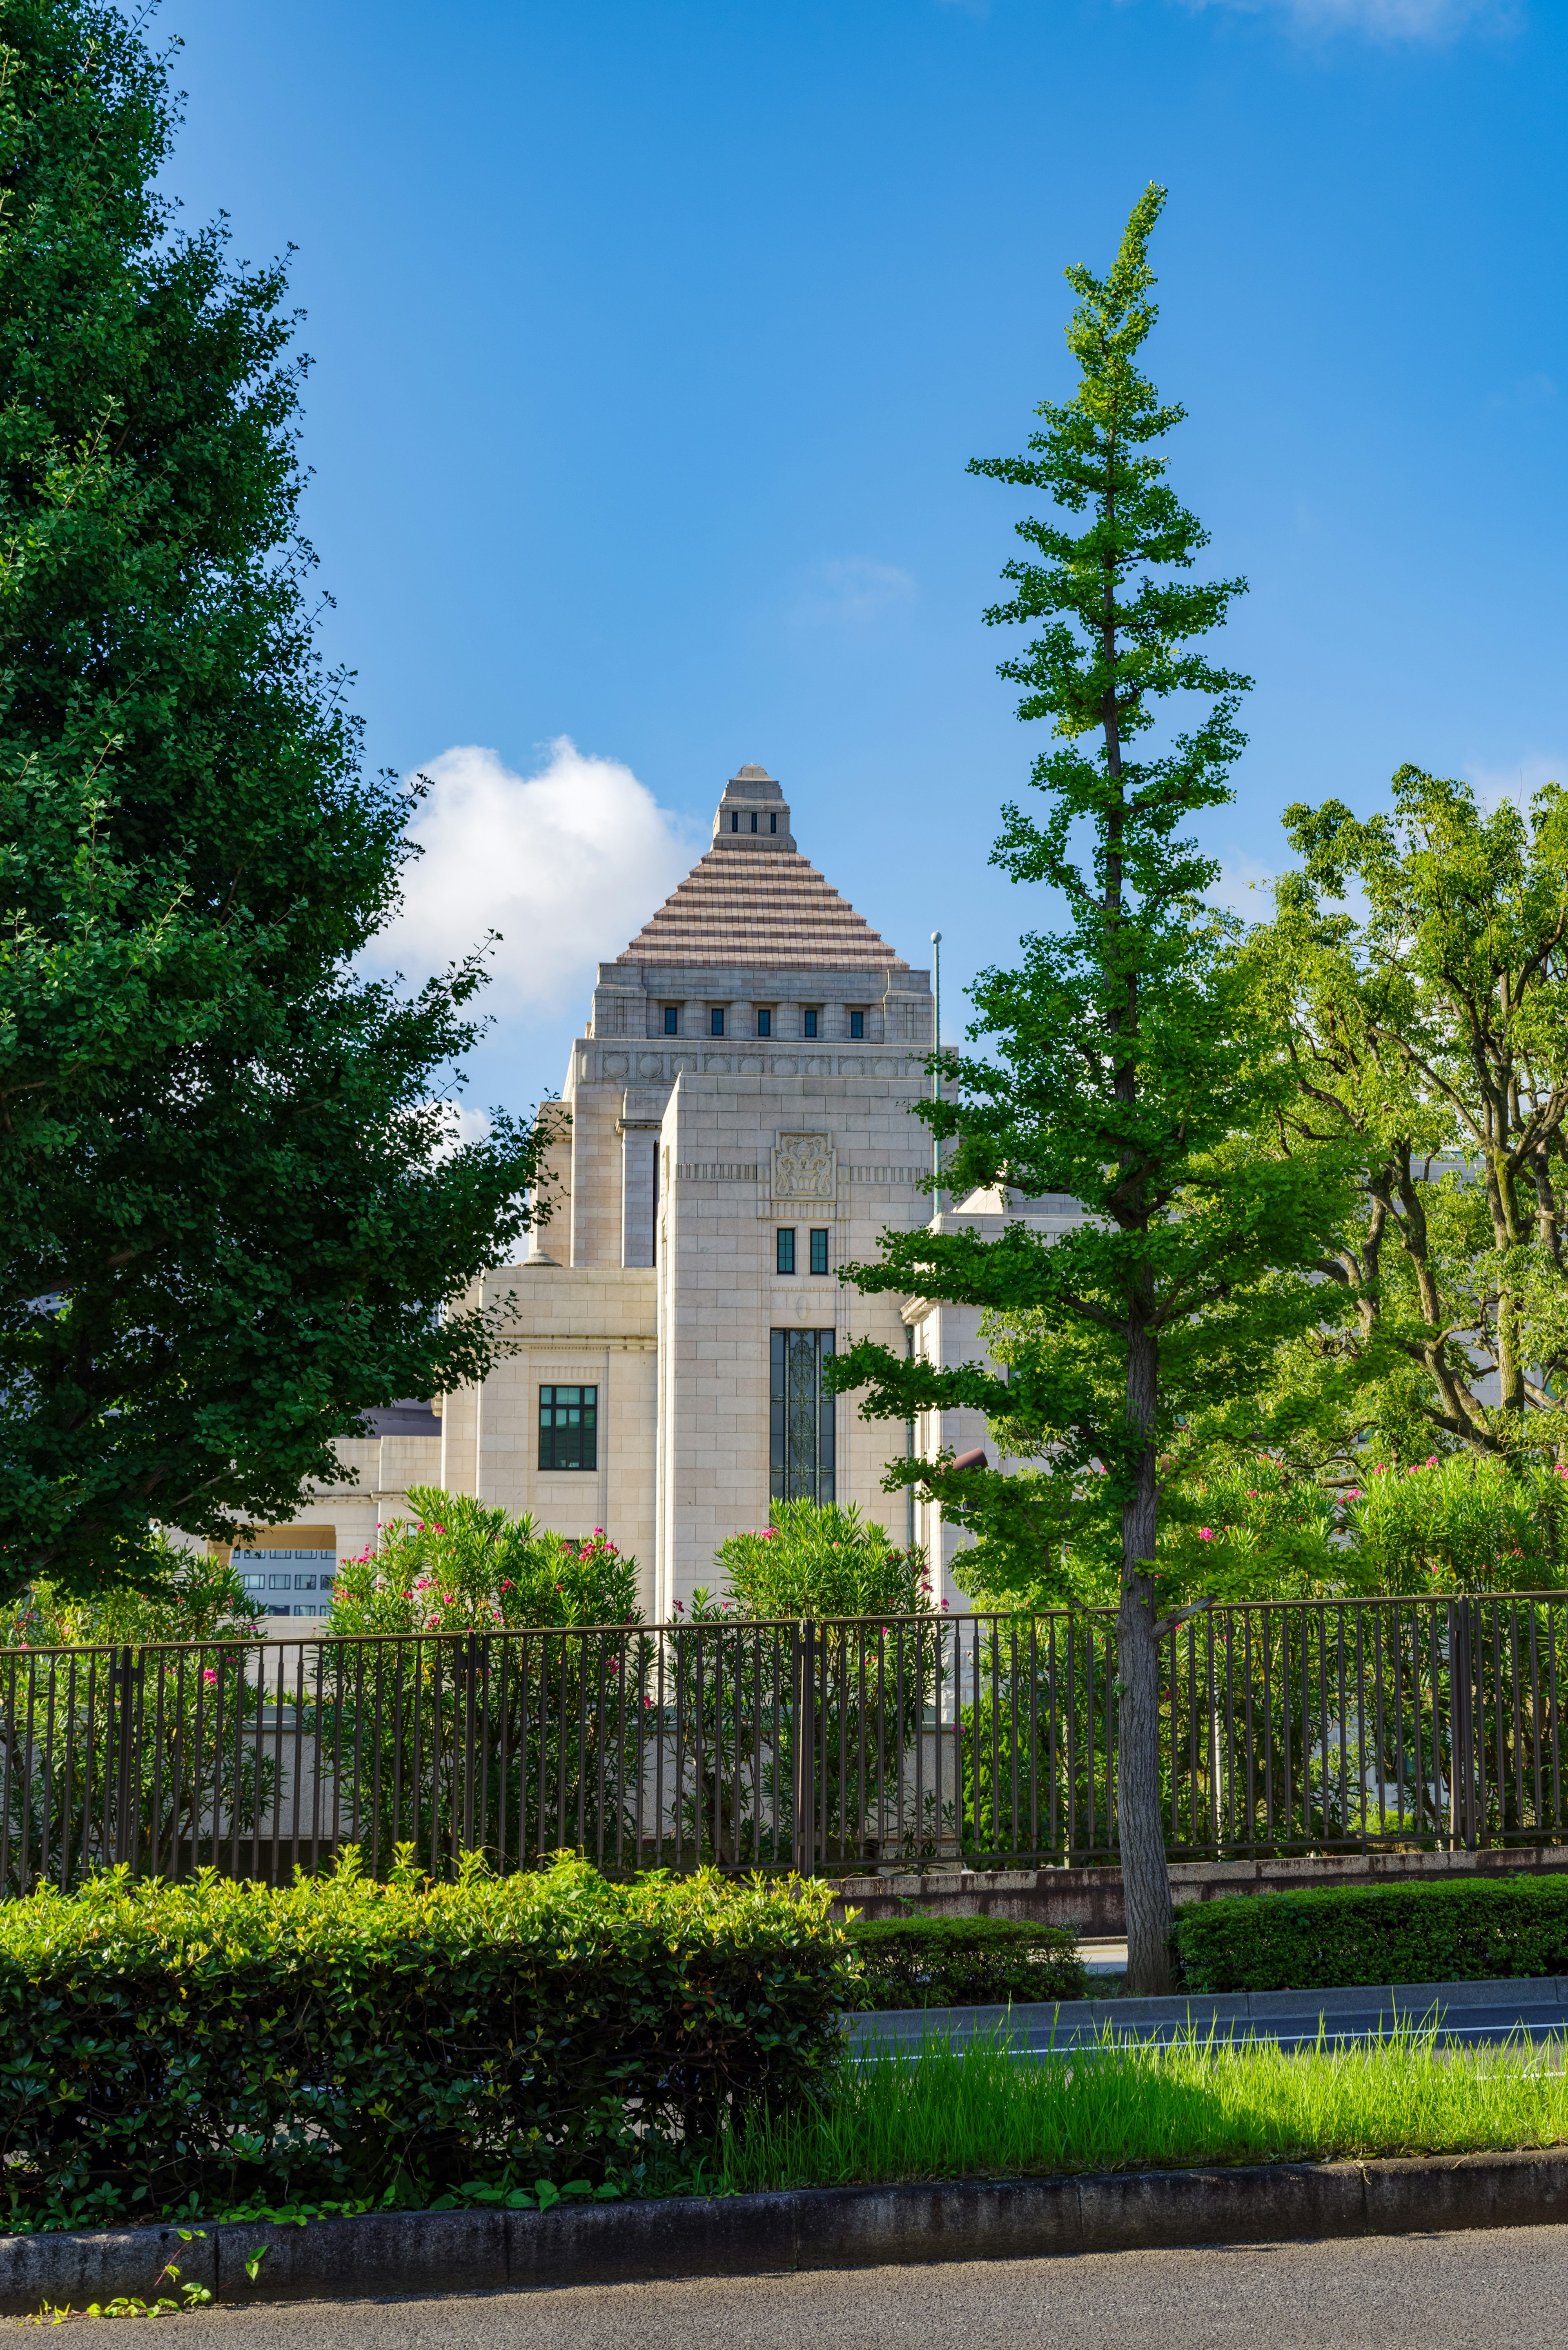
(734, 1125)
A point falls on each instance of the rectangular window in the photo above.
(820, 1252)
(810, 1027)
(773, 824)
(753, 824)
(764, 1024)
(785, 1258)
(672, 1020)
(857, 1023)
(715, 1023)
(568, 1427)
(800, 1421)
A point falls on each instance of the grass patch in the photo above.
(980, 2112)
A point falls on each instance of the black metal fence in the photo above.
(834, 1746)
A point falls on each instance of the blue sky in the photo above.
(652, 338)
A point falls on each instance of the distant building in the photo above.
(733, 1128)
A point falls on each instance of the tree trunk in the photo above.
(1146, 1876)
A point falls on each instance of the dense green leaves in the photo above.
(228, 1225)
(1467, 1932)
(1429, 1031)
(224, 2042)
(964, 1961)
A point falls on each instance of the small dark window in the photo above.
(715, 1023)
(857, 1023)
(820, 1252)
(753, 824)
(810, 1027)
(773, 824)
(568, 1427)
(734, 823)
(672, 1020)
(785, 1239)
(764, 1024)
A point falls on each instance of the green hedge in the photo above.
(206, 2045)
(964, 1961)
(1464, 1932)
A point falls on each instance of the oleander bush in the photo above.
(202, 2045)
(1465, 1932)
(964, 1961)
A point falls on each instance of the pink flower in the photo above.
(209, 1673)
(1205, 1534)
(1431, 1460)
(1353, 1495)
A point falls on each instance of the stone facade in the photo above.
(747, 1071)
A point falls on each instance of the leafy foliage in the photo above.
(228, 1228)
(1429, 1033)
(964, 1961)
(187, 2047)
(819, 1560)
(196, 1597)
(1125, 1057)
(1467, 1932)
(456, 1566)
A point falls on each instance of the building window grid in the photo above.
(801, 1463)
(568, 1427)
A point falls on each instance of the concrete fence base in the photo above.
(390, 2254)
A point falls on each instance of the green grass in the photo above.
(978, 2112)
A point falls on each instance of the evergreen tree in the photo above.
(1125, 1066)
(228, 1225)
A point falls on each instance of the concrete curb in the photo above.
(385, 2255)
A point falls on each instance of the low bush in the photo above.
(1467, 1932)
(168, 2048)
(964, 1961)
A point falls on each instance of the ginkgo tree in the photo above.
(1123, 1061)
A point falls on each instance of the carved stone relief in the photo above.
(806, 1167)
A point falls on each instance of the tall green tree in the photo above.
(1417, 964)
(1123, 1060)
(229, 1225)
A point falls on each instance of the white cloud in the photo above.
(567, 865)
(849, 592)
(1519, 782)
(462, 1125)
(1244, 886)
(1387, 20)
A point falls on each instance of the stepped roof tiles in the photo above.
(754, 899)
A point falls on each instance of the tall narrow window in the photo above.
(672, 1020)
(734, 823)
(809, 1028)
(773, 824)
(764, 1024)
(715, 1023)
(819, 1251)
(783, 1257)
(857, 1023)
(568, 1427)
(754, 823)
(801, 1465)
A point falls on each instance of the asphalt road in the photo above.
(1489, 2290)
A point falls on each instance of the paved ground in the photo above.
(1483, 2292)
(1486, 2013)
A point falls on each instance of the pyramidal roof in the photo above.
(753, 899)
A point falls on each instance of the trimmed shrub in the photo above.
(1467, 1932)
(199, 2046)
(964, 1961)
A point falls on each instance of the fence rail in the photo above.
(830, 1746)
